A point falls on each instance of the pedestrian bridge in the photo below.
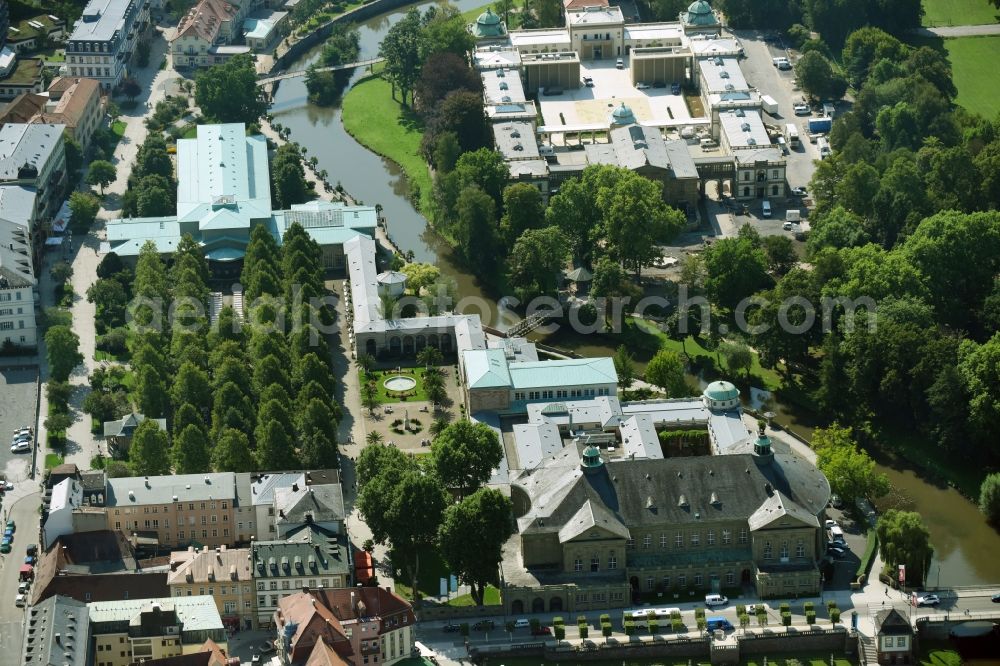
(302, 72)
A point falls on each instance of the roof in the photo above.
(138, 490)
(603, 410)
(515, 139)
(60, 628)
(197, 613)
(65, 494)
(262, 25)
(89, 587)
(534, 442)
(572, 5)
(700, 13)
(487, 368)
(721, 73)
(592, 515)
(494, 57)
(744, 129)
(502, 86)
(334, 608)
(23, 108)
(222, 166)
(595, 15)
(73, 96)
(125, 426)
(307, 549)
(262, 488)
(101, 19)
(27, 144)
(668, 33)
(210, 654)
(102, 551)
(312, 504)
(205, 19)
(563, 372)
(550, 38)
(639, 438)
(776, 507)
(488, 25)
(209, 565)
(892, 622)
(721, 390)
(15, 257)
(324, 655)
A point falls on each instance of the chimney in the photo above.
(58, 639)
(295, 487)
(173, 565)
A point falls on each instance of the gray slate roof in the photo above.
(27, 143)
(62, 616)
(305, 546)
(15, 262)
(316, 504)
(163, 489)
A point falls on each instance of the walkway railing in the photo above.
(302, 72)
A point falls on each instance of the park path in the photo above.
(960, 31)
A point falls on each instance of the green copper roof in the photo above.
(700, 13)
(489, 25)
(721, 390)
(622, 116)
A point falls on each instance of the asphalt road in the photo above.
(23, 509)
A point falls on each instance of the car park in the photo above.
(928, 600)
(484, 625)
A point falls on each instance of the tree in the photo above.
(472, 535)
(989, 497)
(465, 455)
(149, 451)
(152, 159)
(574, 210)
(430, 356)
(536, 262)
(232, 452)
(780, 254)
(142, 53)
(864, 48)
(401, 49)
(83, 207)
(74, 155)
(419, 276)
(818, 78)
(288, 177)
(666, 371)
(461, 112)
(131, 89)
(191, 386)
(979, 368)
(904, 539)
(317, 435)
(275, 449)
(624, 367)
(736, 269)
(101, 173)
(522, 210)
(228, 93)
(110, 299)
(476, 232)
(738, 357)
(441, 74)
(191, 451)
(322, 86)
(850, 471)
(485, 169)
(62, 347)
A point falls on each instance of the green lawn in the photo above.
(53, 459)
(384, 126)
(190, 132)
(958, 12)
(938, 653)
(384, 396)
(491, 598)
(973, 64)
(432, 570)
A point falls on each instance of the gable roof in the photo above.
(776, 507)
(309, 504)
(209, 565)
(324, 655)
(592, 515)
(892, 622)
(565, 372)
(59, 633)
(487, 368)
(205, 19)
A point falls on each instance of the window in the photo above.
(767, 550)
(578, 564)
(743, 535)
(617, 596)
(630, 542)
(612, 561)
(697, 580)
(730, 578)
(595, 563)
(695, 538)
(666, 582)
(679, 540)
(682, 580)
(711, 537)
(784, 550)
(274, 585)
(901, 641)
(726, 537)
(649, 583)
(581, 598)
(647, 541)
(663, 541)
(800, 549)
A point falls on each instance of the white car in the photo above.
(928, 600)
(801, 109)
(642, 86)
(830, 523)
(21, 600)
(20, 447)
(715, 600)
(800, 192)
(6, 486)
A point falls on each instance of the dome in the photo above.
(622, 116)
(391, 277)
(591, 459)
(489, 25)
(721, 391)
(700, 13)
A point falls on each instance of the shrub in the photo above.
(557, 621)
(741, 609)
(834, 615)
(810, 617)
(606, 629)
(699, 613)
(560, 632)
(654, 627)
(113, 342)
(676, 623)
(604, 618)
(831, 604)
(629, 628)
(808, 606)
(784, 607)
(701, 622)
(582, 619)
(786, 619)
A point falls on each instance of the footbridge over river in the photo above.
(302, 72)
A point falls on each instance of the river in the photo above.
(966, 547)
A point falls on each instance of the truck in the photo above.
(820, 125)
(792, 135)
(793, 215)
(769, 104)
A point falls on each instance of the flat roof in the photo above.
(502, 86)
(754, 155)
(535, 168)
(197, 613)
(595, 15)
(660, 31)
(360, 255)
(563, 372)
(492, 58)
(743, 129)
(515, 139)
(163, 489)
(723, 46)
(605, 410)
(721, 74)
(27, 143)
(535, 441)
(101, 19)
(523, 38)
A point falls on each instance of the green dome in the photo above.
(700, 13)
(489, 25)
(622, 116)
(591, 458)
(721, 390)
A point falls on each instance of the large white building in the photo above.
(104, 40)
(17, 278)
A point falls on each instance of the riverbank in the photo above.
(390, 130)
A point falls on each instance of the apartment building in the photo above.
(125, 632)
(17, 279)
(104, 39)
(176, 511)
(57, 632)
(209, 25)
(33, 155)
(73, 102)
(222, 573)
(368, 625)
(308, 559)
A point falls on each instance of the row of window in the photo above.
(697, 580)
(6, 296)
(599, 597)
(775, 175)
(800, 549)
(90, 71)
(695, 539)
(179, 506)
(181, 535)
(10, 311)
(286, 584)
(89, 60)
(561, 393)
(9, 325)
(595, 562)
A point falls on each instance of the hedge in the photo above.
(866, 560)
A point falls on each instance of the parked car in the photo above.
(22, 587)
(715, 600)
(801, 109)
(928, 600)
(30, 559)
(675, 88)
(995, 598)
(836, 502)
(451, 628)
(6, 486)
(20, 447)
(21, 600)
(830, 523)
(542, 631)
(11, 525)
(836, 551)
(32, 549)
(5, 546)
(800, 192)
(484, 625)
(22, 431)
(620, 64)
(588, 81)
(521, 623)
(642, 86)
(659, 84)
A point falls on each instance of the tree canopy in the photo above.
(228, 92)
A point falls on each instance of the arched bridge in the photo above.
(302, 72)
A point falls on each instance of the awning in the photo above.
(27, 569)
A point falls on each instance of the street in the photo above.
(20, 505)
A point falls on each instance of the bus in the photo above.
(792, 135)
(640, 616)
